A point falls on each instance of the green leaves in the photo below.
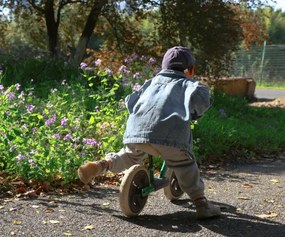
(62, 131)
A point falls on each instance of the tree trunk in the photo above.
(52, 27)
(87, 32)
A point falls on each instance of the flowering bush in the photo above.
(48, 139)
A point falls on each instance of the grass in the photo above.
(275, 86)
(233, 129)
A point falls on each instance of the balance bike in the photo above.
(139, 181)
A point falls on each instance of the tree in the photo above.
(275, 25)
(206, 20)
(211, 29)
(253, 27)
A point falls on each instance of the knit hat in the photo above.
(179, 58)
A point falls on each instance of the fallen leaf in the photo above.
(9, 200)
(10, 193)
(86, 188)
(269, 201)
(49, 210)
(54, 221)
(35, 206)
(247, 185)
(106, 204)
(267, 215)
(244, 198)
(17, 222)
(67, 233)
(275, 181)
(1, 207)
(21, 190)
(88, 227)
(31, 194)
(211, 189)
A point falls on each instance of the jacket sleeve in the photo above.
(133, 98)
(200, 101)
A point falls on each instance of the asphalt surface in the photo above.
(269, 93)
(251, 197)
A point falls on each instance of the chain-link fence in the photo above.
(265, 64)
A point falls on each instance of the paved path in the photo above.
(244, 192)
(269, 93)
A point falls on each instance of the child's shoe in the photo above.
(88, 171)
(205, 209)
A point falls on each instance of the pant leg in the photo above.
(185, 168)
(125, 158)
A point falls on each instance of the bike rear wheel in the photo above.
(173, 190)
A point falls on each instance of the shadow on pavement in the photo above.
(231, 223)
(182, 221)
(90, 202)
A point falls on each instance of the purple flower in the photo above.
(30, 108)
(51, 120)
(137, 75)
(67, 137)
(132, 58)
(33, 152)
(136, 87)
(83, 65)
(49, 105)
(123, 69)
(152, 60)
(91, 142)
(31, 162)
(98, 62)
(20, 157)
(21, 95)
(63, 122)
(1, 87)
(13, 148)
(63, 82)
(54, 90)
(56, 135)
(108, 71)
(11, 96)
(24, 126)
(17, 86)
(222, 113)
(34, 130)
(143, 58)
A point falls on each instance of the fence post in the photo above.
(262, 63)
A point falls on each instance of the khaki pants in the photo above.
(179, 160)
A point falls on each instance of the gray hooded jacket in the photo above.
(161, 111)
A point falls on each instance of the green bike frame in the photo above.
(155, 183)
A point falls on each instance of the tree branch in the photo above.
(35, 6)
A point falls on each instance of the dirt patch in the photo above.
(271, 103)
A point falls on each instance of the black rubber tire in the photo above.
(130, 198)
(173, 190)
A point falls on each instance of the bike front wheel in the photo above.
(131, 200)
